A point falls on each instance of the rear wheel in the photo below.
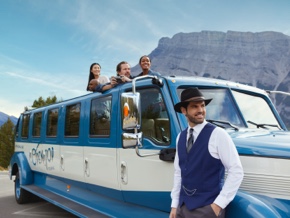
(21, 195)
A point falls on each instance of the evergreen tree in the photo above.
(6, 143)
(41, 102)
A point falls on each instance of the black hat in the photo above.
(188, 95)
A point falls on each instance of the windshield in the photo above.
(222, 107)
(248, 108)
(256, 111)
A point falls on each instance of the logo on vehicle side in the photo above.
(45, 156)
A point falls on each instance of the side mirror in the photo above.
(131, 111)
(131, 140)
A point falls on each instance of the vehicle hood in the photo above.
(262, 143)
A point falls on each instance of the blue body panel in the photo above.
(257, 206)
(263, 143)
(19, 163)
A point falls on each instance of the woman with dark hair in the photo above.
(95, 72)
(145, 64)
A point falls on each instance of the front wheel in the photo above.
(21, 195)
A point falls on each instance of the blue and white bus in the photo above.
(111, 154)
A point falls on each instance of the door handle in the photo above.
(124, 173)
(62, 162)
(87, 171)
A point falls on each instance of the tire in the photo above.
(21, 195)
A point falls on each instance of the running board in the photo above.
(64, 203)
(101, 206)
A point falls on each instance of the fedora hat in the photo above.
(188, 95)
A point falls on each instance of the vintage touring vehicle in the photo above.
(111, 154)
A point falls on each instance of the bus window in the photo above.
(36, 124)
(25, 126)
(72, 120)
(155, 121)
(52, 120)
(100, 118)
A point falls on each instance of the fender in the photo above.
(19, 163)
(257, 206)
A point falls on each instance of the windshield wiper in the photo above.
(260, 125)
(218, 122)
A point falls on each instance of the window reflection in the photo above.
(222, 107)
(155, 121)
(36, 124)
(52, 120)
(72, 120)
(25, 125)
(255, 109)
(100, 119)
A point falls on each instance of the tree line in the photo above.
(7, 133)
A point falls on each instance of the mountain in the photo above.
(4, 117)
(259, 59)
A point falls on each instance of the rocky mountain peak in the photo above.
(259, 59)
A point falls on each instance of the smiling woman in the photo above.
(95, 72)
(145, 64)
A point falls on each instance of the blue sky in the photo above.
(46, 47)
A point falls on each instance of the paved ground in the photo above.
(10, 208)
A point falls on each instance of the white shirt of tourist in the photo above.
(221, 147)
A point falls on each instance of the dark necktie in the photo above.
(190, 140)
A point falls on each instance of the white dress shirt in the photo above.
(221, 147)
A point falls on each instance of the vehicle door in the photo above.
(100, 169)
(148, 180)
(71, 149)
(52, 145)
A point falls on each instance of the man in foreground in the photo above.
(203, 153)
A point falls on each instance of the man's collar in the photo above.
(198, 127)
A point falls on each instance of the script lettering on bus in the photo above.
(45, 156)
